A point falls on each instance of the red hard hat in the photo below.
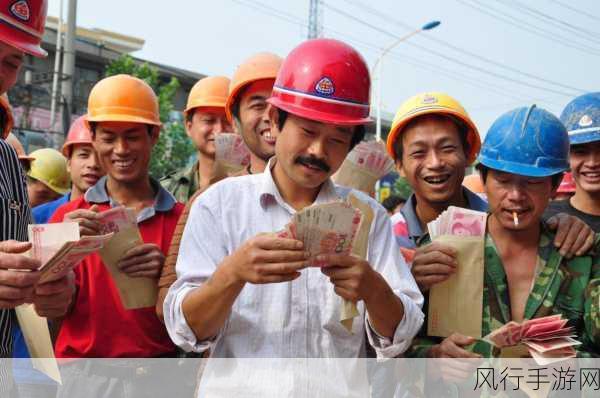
(567, 184)
(78, 134)
(324, 80)
(22, 25)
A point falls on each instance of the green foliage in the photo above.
(173, 148)
(402, 188)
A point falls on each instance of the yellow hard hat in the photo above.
(211, 91)
(433, 103)
(6, 116)
(262, 66)
(123, 98)
(50, 167)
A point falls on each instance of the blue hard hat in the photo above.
(581, 117)
(526, 141)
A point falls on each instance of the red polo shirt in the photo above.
(99, 326)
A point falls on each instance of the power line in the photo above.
(273, 12)
(447, 57)
(576, 30)
(576, 10)
(461, 50)
(525, 25)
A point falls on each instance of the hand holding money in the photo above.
(53, 299)
(16, 286)
(144, 261)
(432, 264)
(267, 258)
(352, 277)
(88, 220)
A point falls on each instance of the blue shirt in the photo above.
(43, 212)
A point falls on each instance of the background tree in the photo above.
(173, 148)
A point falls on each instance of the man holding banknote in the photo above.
(244, 291)
(124, 120)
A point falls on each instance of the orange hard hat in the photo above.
(13, 141)
(22, 25)
(473, 183)
(6, 116)
(211, 91)
(262, 66)
(567, 185)
(78, 134)
(122, 98)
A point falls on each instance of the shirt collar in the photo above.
(269, 192)
(163, 200)
(409, 211)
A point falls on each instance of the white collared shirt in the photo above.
(298, 319)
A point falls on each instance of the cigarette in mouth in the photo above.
(515, 219)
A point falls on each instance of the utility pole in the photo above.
(57, 63)
(315, 19)
(68, 72)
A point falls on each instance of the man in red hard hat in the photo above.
(21, 31)
(242, 292)
(82, 165)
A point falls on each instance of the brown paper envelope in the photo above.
(37, 338)
(359, 248)
(350, 175)
(134, 292)
(456, 305)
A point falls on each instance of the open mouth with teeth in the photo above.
(267, 137)
(591, 175)
(123, 164)
(437, 180)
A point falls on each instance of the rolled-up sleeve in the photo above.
(384, 255)
(200, 252)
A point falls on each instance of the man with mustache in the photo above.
(18, 36)
(204, 119)
(581, 117)
(242, 291)
(246, 108)
(82, 165)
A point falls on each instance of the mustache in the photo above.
(314, 162)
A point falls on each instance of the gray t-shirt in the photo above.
(564, 206)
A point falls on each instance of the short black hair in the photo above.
(358, 136)
(483, 171)
(189, 115)
(392, 201)
(462, 127)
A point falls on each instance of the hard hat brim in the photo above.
(120, 118)
(205, 104)
(67, 146)
(20, 40)
(473, 137)
(584, 137)
(233, 95)
(526, 170)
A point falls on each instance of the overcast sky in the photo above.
(492, 55)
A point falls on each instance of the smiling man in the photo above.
(82, 165)
(244, 292)
(581, 117)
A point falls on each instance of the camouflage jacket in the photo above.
(561, 286)
(182, 183)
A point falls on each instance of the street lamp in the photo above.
(379, 62)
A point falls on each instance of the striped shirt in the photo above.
(15, 215)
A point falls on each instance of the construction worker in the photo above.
(227, 245)
(565, 191)
(21, 31)
(432, 141)
(204, 119)
(123, 118)
(47, 177)
(581, 117)
(522, 160)
(246, 108)
(82, 165)
(24, 159)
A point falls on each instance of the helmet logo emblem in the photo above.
(20, 9)
(325, 86)
(585, 121)
(429, 99)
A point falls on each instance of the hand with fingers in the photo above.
(458, 364)
(87, 220)
(573, 236)
(352, 277)
(53, 299)
(433, 263)
(144, 261)
(18, 274)
(267, 258)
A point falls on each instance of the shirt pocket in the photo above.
(13, 214)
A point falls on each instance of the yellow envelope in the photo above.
(350, 175)
(134, 292)
(456, 305)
